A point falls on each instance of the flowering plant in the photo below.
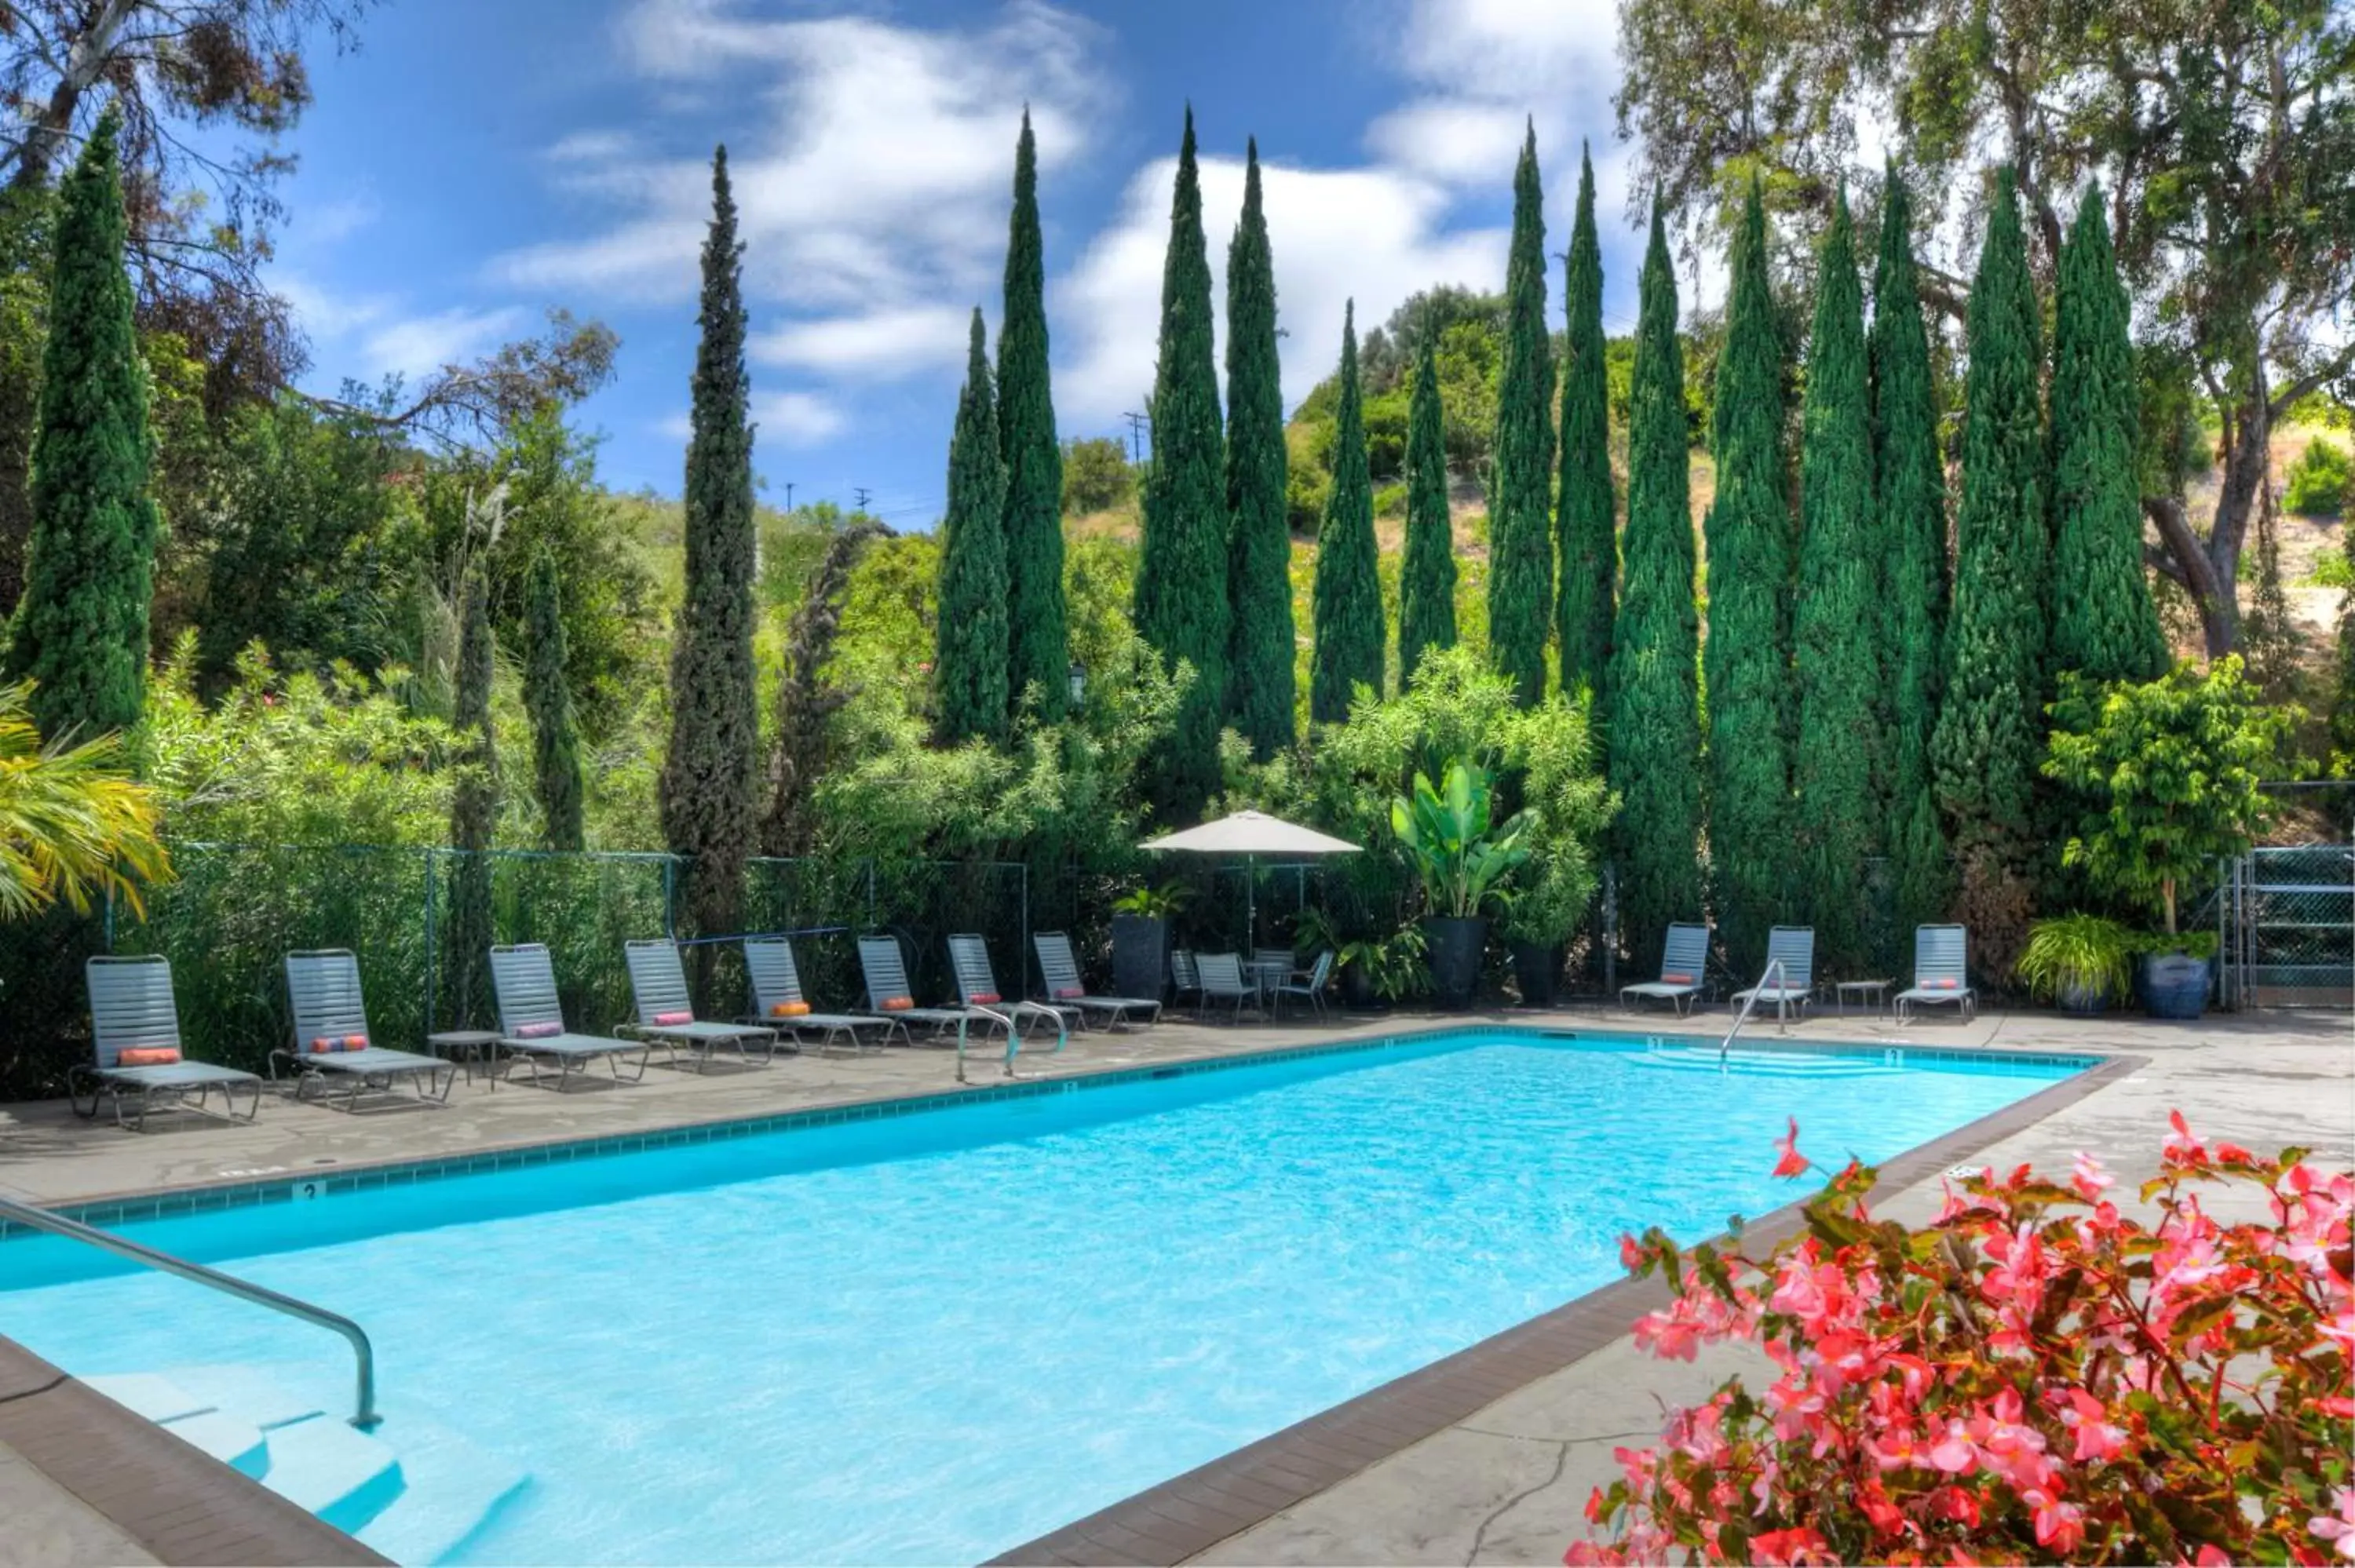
(2033, 1376)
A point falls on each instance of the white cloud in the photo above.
(882, 344)
(876, 175)
(1488, 68)
(795, 419)
(419, 345)
(1371, 233)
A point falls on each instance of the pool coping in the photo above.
(1165, 1523)
(1178, 1519)
(173, 1500)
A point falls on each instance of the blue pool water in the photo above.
(931, 1337)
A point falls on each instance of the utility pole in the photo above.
(1137, 423)
(858, 494)
(789, 496)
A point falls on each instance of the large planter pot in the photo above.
(1357, 989)
(1140, 955)
(1537, 970)
(2175, 985)
(1455, 948)
(2083, 1000)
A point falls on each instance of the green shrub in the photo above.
(2320, 481)
(1096, 476)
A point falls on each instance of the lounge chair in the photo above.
(1683, 955)
(1308, 984)
(1939, 972)
(1222, 980)
(532, 1020)
(1795, 983)
(777, 1000)
(1061, 971)
(977, 988)
(667, 1010)
(332, 1044)
(1185, 976)
(888, 993)
(135, 1049)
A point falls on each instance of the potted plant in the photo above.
(2083, 961)
(1463, 860)
(1381, 972)
(1140, 937)
(2169, 772)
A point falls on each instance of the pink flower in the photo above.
(2060, 1526)
(1631, 1256)
(1668, 1335)
(2339, 1528)
(1953, 1453)
(2091, 1179)
(1793, 1162)
(2183, 1149)
(2096, 1438)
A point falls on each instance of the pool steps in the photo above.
(412, 1489)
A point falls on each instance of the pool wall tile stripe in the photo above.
(278, 1189)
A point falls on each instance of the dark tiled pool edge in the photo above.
(282, 1187)
(1189, 1514)
(178, 1502)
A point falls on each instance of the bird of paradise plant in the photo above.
(1447, 834)
(73, 824)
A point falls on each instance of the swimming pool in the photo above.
(934, 1336)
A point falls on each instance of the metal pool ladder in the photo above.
(1775, 972)
(363, 1418)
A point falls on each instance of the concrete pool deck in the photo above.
(1498, 1479)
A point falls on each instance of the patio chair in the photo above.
(667, 1010)
(1185, 976)
(1795, 984)
(1682, 957)
(135, 1049)
(778, 1002)
(1061, 971)
(1271, 967)
(1939, 972)
(1308, 984)
(332, 1045)
(1222, 980)
(531, 1021)
(977, 988)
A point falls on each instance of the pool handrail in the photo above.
(364, 1417)
(1750, 999)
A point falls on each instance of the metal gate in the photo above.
(2288, 927)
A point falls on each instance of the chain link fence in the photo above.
(2287, 923)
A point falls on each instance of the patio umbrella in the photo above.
(1252, 834)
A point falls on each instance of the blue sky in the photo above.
(474, 165)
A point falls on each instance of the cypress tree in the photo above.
(1427, 576)
(474, 809)
(1260, 696)
(555, 743)
(969, 669)
(1585, 525)
(1910, 484)
(1520, 538)
(1748, 655)
(2103, 622)
(1835, 621)
(1991, 729)
(1181, 578)
(707, 778)
(80, 629)
(1037, 641)
(1654, 721)
(1349, 589)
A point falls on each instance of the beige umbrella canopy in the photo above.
(1252, 834)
